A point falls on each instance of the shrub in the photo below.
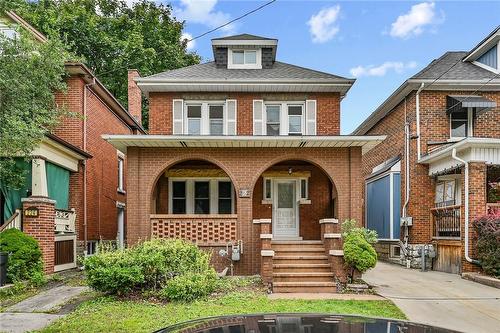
(488, 243)
(25, 256)
(174, 269)
(115, 272)
(190, 286)
(359, 253)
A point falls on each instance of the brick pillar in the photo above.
(41, 227)
(477, 207)
(332, 238)
(266, 252)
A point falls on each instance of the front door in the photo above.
(285, 222)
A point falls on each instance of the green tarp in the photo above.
(12, 197)
(58, 184)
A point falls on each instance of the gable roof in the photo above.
(243, 37)
(19, 20)
(484, 45)
(448, 72)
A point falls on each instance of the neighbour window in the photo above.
(121, 183)
(295, 119)
(303, 189)
(445, 193)
(272, 119)
(267, 189)
(92, 247)
(216, 116)
(194, 119)
(179, 197)
(461, 123)
(225, 197)
(243, 57)
(201, 197)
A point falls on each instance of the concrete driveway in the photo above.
(440, 299)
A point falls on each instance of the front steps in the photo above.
(301, 266)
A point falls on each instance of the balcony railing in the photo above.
(14, 222)
(65, 221)
(446, 222)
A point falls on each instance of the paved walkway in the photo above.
(28, 315)
(439, 299)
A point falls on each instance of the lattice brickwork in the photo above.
(211, 231)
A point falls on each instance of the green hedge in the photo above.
(25, 256)
(167, 268)
(488, 243)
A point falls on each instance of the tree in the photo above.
(30, 73)
(111, 37)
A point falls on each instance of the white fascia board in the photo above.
(486, 45)
(252, 42)
(459, 146)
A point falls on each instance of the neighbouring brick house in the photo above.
(443, 137)
(245, 153)
(75, 192)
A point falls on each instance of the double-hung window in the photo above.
(461, 123)
(216, 118)
(194, 119)
(273, 119)
(295, 119)
(201, 196)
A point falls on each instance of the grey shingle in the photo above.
(209, 71)
(461, 70)
(243, 37)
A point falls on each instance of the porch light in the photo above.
(290, 170)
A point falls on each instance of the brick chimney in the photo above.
(134, 96)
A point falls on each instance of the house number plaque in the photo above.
(31, 212)
(244, 193)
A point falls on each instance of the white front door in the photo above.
(285, 221)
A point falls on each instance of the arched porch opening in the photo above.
(295, 195)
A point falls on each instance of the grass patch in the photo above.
(109, 314)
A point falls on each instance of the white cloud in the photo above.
(190, 45)
(323, 25)
(413, 22)
(203, 12)
(381, 70)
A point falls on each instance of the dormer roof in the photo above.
(243, 41)
(483, 46)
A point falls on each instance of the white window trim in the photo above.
(470, 125)
(302, 119)
(457, 187)
(205, 115)
(284, 116)
(257, 65)
(214, 194)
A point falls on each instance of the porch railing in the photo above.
(14, 222)
(65, 221)
(493, 208)
(200, 229)
(446, 222)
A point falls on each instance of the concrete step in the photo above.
(297, 242)
(301, 268)
(299, 249)
(303, 277)
(300, 259)
(304, 287)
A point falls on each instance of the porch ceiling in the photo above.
(121, 142)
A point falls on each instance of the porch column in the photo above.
(477, 207)
(38, 222)
(332, 238)
(39, 178)
(266, 252)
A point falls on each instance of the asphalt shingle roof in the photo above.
(243, 37)
(461, 70)
(209, 71)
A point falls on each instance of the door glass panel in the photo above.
(285, 195)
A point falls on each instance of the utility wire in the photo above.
(201, 35)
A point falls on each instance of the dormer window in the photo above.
(244, 59)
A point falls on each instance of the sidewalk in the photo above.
(33, 313)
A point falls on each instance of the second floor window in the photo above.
(194, 119)
(445, 193)
(273, 119)
(295, 119)
(216, 116)
(461, 123)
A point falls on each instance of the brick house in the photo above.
(245, 154)
(438, 169)
(75, 192)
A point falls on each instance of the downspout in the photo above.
(466, 168)
(418, 118)
(407, 163)
(85, 87)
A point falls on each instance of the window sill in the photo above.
(304, 201)
(267, 202)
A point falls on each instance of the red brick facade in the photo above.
(434, 126)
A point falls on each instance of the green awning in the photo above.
(58, 184)
(12, 197)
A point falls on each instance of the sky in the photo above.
(381, 44)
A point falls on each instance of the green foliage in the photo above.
(190, 286)
(350, 227)
(488, 243)
(112, 37)
(25, 257)
(174, 269)
(30, 73)
(359, 253)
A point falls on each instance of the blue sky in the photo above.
(379, 43)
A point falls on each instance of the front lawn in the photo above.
(109, 314)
